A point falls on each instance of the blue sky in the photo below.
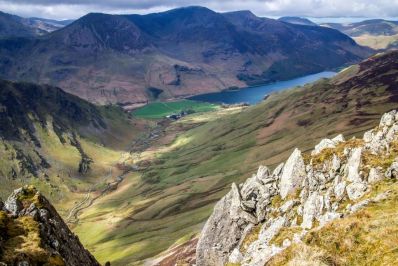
(65, 9)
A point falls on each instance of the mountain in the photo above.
(60, 143)
(33, 233)
(325, 203)
(44, 26)
(298, 21)
(377, 33)
(122, 58)
(12, 26)
(186, 172)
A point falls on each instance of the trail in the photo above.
(137, 147)
(73, 214)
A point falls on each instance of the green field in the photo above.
(158, 110)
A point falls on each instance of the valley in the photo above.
(134, 128)
(186, 172)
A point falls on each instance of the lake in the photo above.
(253, 95)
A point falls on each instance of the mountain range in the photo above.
(138, 191)
(186, 51)
(378, 34)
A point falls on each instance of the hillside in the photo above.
(123, 58)
(60, 143)
(377, 33)
(12, 26)
(318, 208)
(193, 165)
(297, 20)
(33, 233)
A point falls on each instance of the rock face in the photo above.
(293, 174)
(29, 216)
(299, 196)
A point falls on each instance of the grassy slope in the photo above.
(35, 122)
(378, 42)
(158, 110)
(176, 193)
(370, 237)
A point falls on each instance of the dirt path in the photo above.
(137, 147)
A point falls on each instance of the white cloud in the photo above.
(62, 9)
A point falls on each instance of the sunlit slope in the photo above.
(176, 192)
(63, 145)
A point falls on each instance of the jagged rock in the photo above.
(392, 133)
(375, 175)
(56, 240)
(222, 231)
(388, 119)
(261, 255)
(13, 204)
(392, 171)
(339, 190)
(323, 188)
(336, 164)
(236, 212)
(328, 217)
(312, 209)
(263, 174)
(353, 165)
(1, 204)
(268, 232)
(293, 174)
(327, 143)
(236, 256)
(259, 252)
(356, 190)
(287, 206)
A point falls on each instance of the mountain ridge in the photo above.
(33, 233)
(159, 51)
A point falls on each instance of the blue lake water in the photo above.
(253, 95)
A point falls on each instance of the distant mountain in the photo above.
(376, 33)
(46, 25)
(14, 26)
(298, 21)
(186, 51)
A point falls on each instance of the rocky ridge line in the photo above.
(305, 192)
(33, 233)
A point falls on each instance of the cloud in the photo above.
(62, 9)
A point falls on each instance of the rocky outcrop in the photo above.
(293, 174)
(298, 196)
(33, 233)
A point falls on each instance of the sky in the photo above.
(343, 10)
